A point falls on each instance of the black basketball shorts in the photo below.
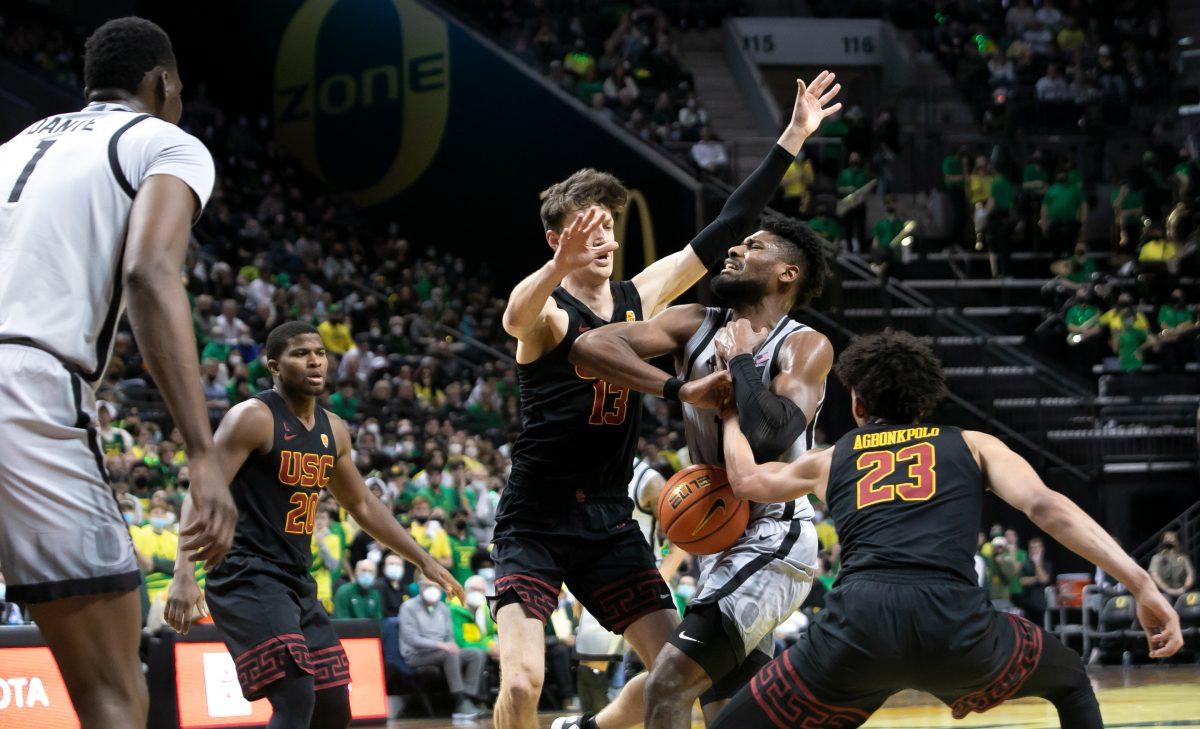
(269, 616)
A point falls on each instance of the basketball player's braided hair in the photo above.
(896, 376)
(581, 190)
(120, 52)
(804, 248)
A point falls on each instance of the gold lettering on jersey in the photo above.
(308, 470)
(885, 438)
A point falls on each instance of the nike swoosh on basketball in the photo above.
(718, 504)
(683, 634)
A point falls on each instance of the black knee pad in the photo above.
(332, 709)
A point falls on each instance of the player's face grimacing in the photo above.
(301, 369)
(751, 270)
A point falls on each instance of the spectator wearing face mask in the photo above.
(327, 551)
(157, 544)
(473, 624)
(427, 639)
(428, 532)
(392, 585)
(462, 545)
(1037, 573)
(684, 592)
(442, 495)
(1171, 568)
(1177, 341)
(1129, 333)
(1064, 210)
(359, 599)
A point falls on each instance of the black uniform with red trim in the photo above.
(262, 597)
(906, 611)
(565, 515)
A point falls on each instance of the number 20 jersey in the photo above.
(906, 497)
(276, 492)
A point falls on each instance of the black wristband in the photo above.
(671, 389)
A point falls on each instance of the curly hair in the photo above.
(277, 340)
(803, 248)
(120, 52)
(897, 377)
(584, 188)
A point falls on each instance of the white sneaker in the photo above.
(567, 722)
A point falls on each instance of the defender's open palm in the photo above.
(1161, 623)
(576, 249)
(813, 102)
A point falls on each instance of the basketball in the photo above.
(698, 511)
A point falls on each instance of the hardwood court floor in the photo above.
(1149, 696)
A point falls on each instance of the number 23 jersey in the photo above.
(277, 492)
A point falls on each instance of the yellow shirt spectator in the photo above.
(320, 571)
(827, 534)
(160, 547)
(979, 187)
(1157, 250)
(335, 335)
(1071, 39)
(438, 546)
(1112, 319)
(798, 178)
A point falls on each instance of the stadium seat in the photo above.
(1115, 627)
(1188, 607)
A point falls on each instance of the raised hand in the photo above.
(575, 246)
(813, 103)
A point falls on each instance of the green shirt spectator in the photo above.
(952, 167)
(1130, 205)
(1081, 270)
(1075, 179)
(1035, 179)
(850, 179)
(826, 226)
(354, 602)
(886, 230)
(462, 548)
(1129, 347)
(1169, 316)
(1062, 202)
(468, 633)
(1003, 193)
(441, 495)
(1080, 314)
(343, 403)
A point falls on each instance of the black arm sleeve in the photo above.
(743, 208)
(770, 423)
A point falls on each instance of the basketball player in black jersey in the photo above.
(565, 515)
(906, 611)
(280, 450)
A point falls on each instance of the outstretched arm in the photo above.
(773, 418)
(1012, 479)
(351, 492)
(616, 354)
(666, 279)
(773, 481)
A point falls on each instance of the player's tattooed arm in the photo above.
(616, 353)
(351, 492)
(1015, 481)
(772, 481)
(528, 314)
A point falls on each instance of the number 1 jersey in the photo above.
(67, 184)
(277, 492)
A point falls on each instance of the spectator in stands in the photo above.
(1171, 568)
(215, 395)
(825, 225)
(1036, 575)
(1034, 181)
(359, 599)
(431, 537)
(114, 441)
(1157, 248)
(850, 180)
(1001, 72)
(1003, 569)
(954, 177)
(709, 154)
(392, 588)
(588, 85)
(692, 119)
(1071, 38)
(1185, 175)
(886, 239)
(620, 80)
(228, 329)
(335, 332)
(327, 550)
(1064, 210)
(796, 187)
(1127, 215)
(600, 108)
(473, 624)
(1177, 340)
(427, 639)
(157, 545)
(343, 403)
(1129, 333)
(1002, 197)
(1053, 88)
(462, 544)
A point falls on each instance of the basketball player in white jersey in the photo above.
(96, 207)
(778, 367)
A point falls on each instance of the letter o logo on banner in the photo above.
(645, 225)
(307, 94)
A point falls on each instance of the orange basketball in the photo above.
(699, 512)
